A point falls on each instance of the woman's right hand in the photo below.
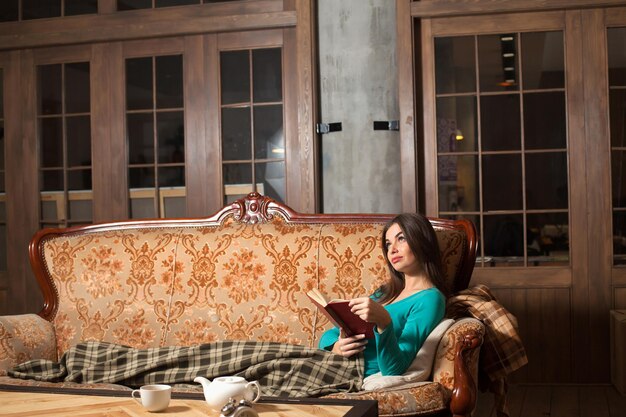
(348, 346)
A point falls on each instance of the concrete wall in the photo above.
(359, 84)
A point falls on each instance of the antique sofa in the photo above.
(239, 274)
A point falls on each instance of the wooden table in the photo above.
(92, 403)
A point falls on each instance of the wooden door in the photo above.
(515, 137)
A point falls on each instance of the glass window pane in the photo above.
(172, 176)
(49, 210)
(77, 88)
(141, 177)
(50, 87)
(51, 147)
(169, 81)
(272, 176)
(546, 181)
(456, 124)
(500, 122)
(140, 138)
(79, 179)
(51, 180)
(616, 44)
(167, 3)
(548, 239)
(3, 212)
(38, 9)
(544, 120)
(236, 141)
(171, 137)
(142, 208)
(504, 238)
(617, 106)
(543, 60)
(174, 207)
(76, 7)
(618, 177)
(619, 237)
(8, 10)
(455, 69)
(133, 4)
(2, 189)
(502, 182)
(267, 75)
(78, 141)
(458, 183)
(237, 174)
(139, 83)
(269, 141)
(81, 210)
(498, 62)
(235, 77)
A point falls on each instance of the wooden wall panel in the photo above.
(108, 133)
(21, 180)
(578, 189)
(598, 203)
(619, 298)
(432, 8)
(142, 24)
(545, 327)
(307, 109)
(203, 174)
(407, 104)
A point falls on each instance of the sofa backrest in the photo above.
(240, 274)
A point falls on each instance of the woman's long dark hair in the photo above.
(422, 240)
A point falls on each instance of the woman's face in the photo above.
(399, 253)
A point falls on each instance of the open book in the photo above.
(338, 312)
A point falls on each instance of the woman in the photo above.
(407, 308)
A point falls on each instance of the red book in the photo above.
(338, 312)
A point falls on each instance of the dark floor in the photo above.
(557, 401)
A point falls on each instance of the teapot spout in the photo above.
(202, 380)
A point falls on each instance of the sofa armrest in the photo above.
(25, 337)
(456, 363)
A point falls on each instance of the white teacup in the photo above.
(153, 397)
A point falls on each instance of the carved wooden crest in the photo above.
(254, 209)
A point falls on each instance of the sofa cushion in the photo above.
(25, 337)
(421, 367)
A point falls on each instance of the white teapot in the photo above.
(218, 392)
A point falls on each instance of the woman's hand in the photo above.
(371, 311)
(348, 346)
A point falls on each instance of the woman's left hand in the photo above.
(371, 311)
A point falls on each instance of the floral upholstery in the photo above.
(184, 283)
(417, 399)
(25, 337)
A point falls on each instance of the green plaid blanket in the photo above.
(281, 369)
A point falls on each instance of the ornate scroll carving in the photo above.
(254, 209)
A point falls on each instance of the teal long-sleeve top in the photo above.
(412, 319)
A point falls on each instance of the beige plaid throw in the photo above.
(281, 369)
(502, 351)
